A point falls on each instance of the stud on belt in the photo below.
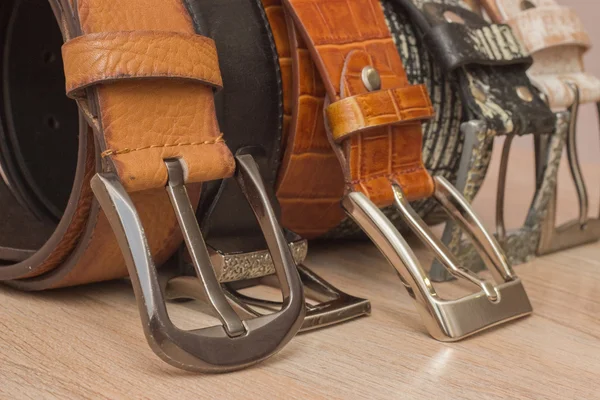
(565, 85)
(144, 146)
(372, 120)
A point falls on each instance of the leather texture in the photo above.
(140, 122)
(370, 160)
(35, 172)
(441, 141)
(501, 108)
(372, 110)
(309, 203)
(107, 57)
(457, 45)
(250, 113)
(557, 40)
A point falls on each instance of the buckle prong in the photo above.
(198, 250)
(501, 191)
(212, 349)
(440, 251)
(573, 158)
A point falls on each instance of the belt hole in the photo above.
(48, 57)
(52, 123)
(527, 5)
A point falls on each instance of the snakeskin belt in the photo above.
(489, 65)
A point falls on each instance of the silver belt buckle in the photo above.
(446, 320)
(236, 343)
(584, 229)
(244, 270)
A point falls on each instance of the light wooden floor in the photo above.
(87, 342)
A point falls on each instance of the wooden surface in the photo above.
(87, 342)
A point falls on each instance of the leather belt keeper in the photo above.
(457, 45)
(373, 110)
(541, 28)
(103, 58)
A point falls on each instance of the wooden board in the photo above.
(87, 342)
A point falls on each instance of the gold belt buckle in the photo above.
(454, 319)
(584, 229)
(236, 343)
(332, 305)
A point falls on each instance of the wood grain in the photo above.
(87, 342)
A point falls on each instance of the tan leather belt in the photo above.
(557, 41)
(353, 104)
(144, 82)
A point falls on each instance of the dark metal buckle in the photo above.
(584, 229)
(237, 343)
(334, 305)
(446, 320)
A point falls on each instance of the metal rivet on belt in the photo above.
(526, 5)
(478, 92)
(525, 94)
(371, 78)
(453, 18)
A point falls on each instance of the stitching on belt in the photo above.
(112, 152)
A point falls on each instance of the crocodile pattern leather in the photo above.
(309, 204)
(438, 138)
(557, 40)
(369, 160)
(371, 110)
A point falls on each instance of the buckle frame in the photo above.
(446, 320)
(235, 344)
(584, 229)
(334, 307)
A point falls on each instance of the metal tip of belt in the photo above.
(539, 235)
(236, 343)
(446, 320)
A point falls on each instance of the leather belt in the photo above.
(441, 134)
(355, 113)
(490, 66)
(144, 81)
(557, 40)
